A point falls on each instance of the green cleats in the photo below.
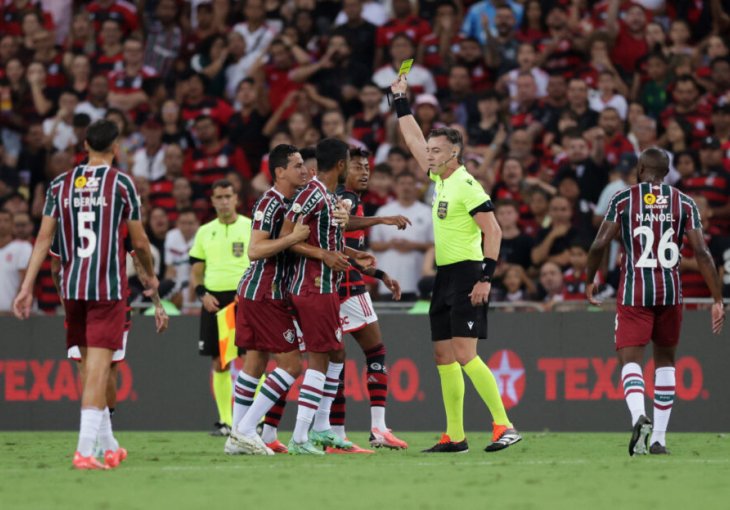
(327, 438)
(303, 448)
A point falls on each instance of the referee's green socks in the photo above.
(452, 389)
(223, 392)
(486, 385)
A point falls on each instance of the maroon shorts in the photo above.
(638, 325)
(265, 326)
(318, 316)
(96, 323)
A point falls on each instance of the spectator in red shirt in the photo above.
(575, 278)
(195, 103)
(436, 50)
(122, 11)
(213, 158)
(125, 85)
(404, 21)
(532, 29)
(616, 143)
(276, 73)
(161, 189)
(14, 11)
(109, 56)
(558, 52)
(368, 125)
(629, 35)
(689, 105)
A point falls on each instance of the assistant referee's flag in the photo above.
(227, 334)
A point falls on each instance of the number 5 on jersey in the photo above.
(646, 260)
(86, 233)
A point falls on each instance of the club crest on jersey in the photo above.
(258, 216)
(296, 208)
(237, 249)
(442, 210)
(317, 281)
(290, 336)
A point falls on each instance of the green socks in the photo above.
(223, 392)
(486, 385)
(452, 389)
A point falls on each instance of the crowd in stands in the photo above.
(555, 99)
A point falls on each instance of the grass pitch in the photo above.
(546, 471)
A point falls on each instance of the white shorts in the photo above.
(356, 313)
(74, 352)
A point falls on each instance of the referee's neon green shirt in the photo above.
(456, 235)
(224, 248)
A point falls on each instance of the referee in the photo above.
(218, 259)
(462, 213)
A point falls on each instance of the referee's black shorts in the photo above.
(208, 343)
(451, 313)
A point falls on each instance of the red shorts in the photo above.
(265, 326)
(96, 323)
(318, 316)
(638, 325)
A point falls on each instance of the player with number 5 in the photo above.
(93, 206)
(651, 219)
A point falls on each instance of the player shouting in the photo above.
(651, 219)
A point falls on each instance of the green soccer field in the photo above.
(188, 470)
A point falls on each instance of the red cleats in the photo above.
(385, 438)
(113, 458)
(81, 462)
(353, 449)
(277, 447)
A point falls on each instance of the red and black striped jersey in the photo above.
(353, 284)
(413, 26)
(370, 132)
(203, 167)
(653, 220)
(91, 205)
(615, 147)
(217, 109)
(161, 196)
(122, 11)
(121, 83)
(715, 187)
(432, 59)
(12, 18)
(700, 119)
(267, 278)
(315, 206)
(102, 63)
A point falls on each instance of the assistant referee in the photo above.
(463, 214)
(218, 259)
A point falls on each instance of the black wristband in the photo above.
(488, 267)
(200, 290)
(379, 274)
(402, 108)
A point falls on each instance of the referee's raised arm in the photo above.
(412, 133)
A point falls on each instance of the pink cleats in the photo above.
(113, 458)
(353, 449)
(277, 447)
(385, 438)
(90, 462)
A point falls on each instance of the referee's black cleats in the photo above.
(639, 436)
(503, 437)
(446, 445)
(220, 430)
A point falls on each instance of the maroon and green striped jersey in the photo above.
(266, 278)
(653, 220)
(91, 205)
(315, 206)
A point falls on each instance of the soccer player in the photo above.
(90, 205)
(356, 309)
(263, 323)
(462, 214)
(651, 219)
(314, 294)
(218, 258)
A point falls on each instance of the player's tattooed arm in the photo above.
(141, 246)
(608, 231)
(709, 273)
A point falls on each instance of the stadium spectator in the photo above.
(125, 85)
(360, 31)
(23, 227)
(58, 131)
(15, 254)
(95, 103)
(255, 30)
(620, 177)
(587, 163)
(110, 51)
(436, 50)
(615, 144)
(178, 243)
(516, 247)
(161, 188)
(400, 252)
(629, 35)
(501, 41)
(551, 284)
(403, 21)
(149, 159)
(578, 104)
(473, 25)
(552, 243)
(402, 47)
(164, 38)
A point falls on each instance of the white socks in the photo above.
(664, 385)
(322, 418)
(277, 383)
(633, 383)
(106, 436)
(377, 418)
(243, 393)
(91, 419)
(310, 396)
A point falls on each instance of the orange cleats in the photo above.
(385, 438)
(277, 447)
(81, 462)
(503, 436)
(353, 449)
(497, 431)
(113, 458)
